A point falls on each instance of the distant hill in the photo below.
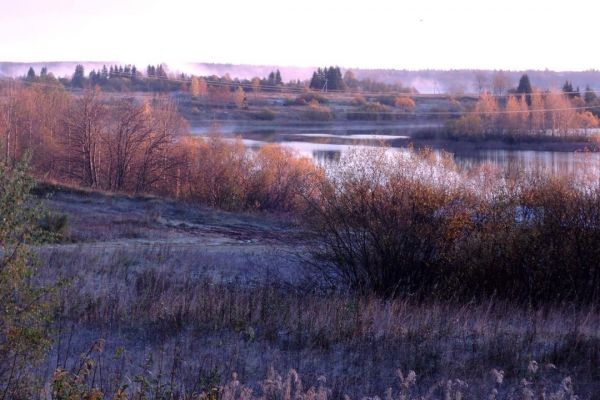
(425, 81)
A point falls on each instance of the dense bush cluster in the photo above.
(411, 225)
(227, 175)
(264, 114)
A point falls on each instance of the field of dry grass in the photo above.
(186, 296)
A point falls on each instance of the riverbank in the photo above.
(461, 146)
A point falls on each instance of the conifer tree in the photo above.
(589, 95)
(525, 88)
(78, 79)
(31, 74)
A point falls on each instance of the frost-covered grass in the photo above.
(157, 318)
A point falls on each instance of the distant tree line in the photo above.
(331, 79)
(157, 78)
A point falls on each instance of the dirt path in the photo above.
(96, 217)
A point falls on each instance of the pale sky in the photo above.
(499, 34)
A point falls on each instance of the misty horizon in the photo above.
(423, 80)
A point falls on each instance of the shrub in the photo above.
(54, 226)
(370, 112)
(317, 112)
(218, 172)
(378, 228)
(411, 225)
(405, 103)
(358, 100)
(264, 114)
(281, 179)
(26, 308)
(546, 229)
(469, 126)
(227, 175)
(308, 98)
(388, 100)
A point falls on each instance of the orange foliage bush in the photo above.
(405, 103)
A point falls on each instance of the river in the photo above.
(326, 144)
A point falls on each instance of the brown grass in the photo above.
(167, 313)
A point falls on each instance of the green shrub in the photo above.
(53, 226)
(26, 307)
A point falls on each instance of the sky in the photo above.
(416, 34)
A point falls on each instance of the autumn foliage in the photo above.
(549, 113)
(223, 173)
(133, 145)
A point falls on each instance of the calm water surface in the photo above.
(327, 144)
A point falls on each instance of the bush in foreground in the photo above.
(25, 307)
(410, 224)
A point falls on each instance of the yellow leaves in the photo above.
(318, 112)
(587, 120)
(405, 103)
(239, 97)
(486, 104)
(225, 173)
(517, 114)
(550, 113)
(198, 87)
(458, 224)
(146, 109)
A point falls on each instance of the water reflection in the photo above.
(327, 145)
(527, 160)
(326, 156)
